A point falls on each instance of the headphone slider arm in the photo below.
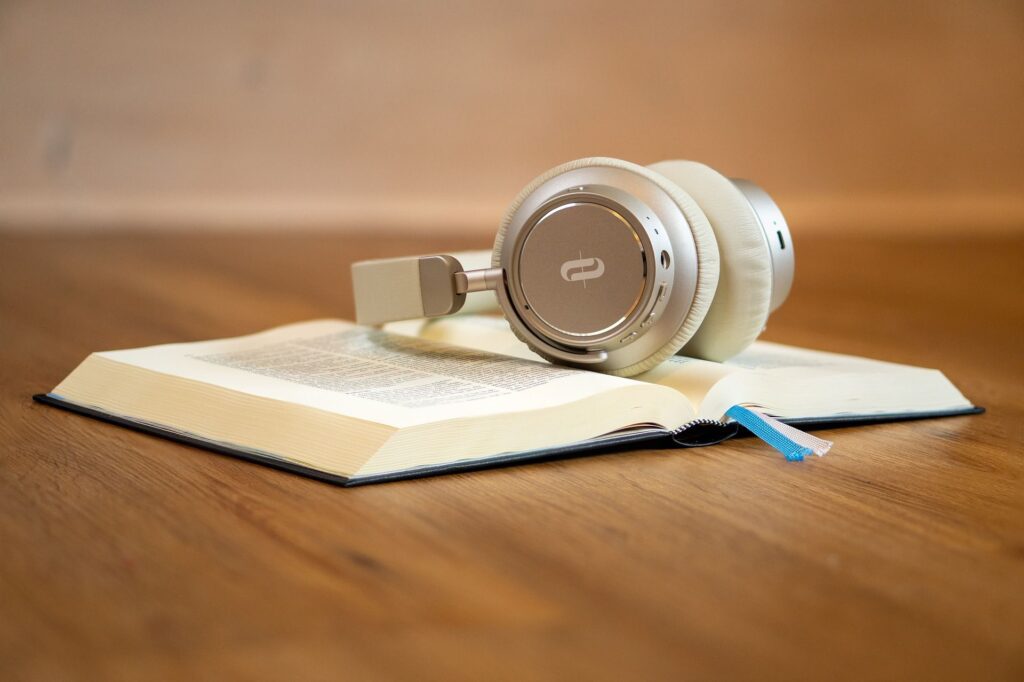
(470, 281)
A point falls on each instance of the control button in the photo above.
(662, 289)
(629, 337)
(649, 320)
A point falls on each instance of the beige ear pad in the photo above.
(703, 237)
(741, 306)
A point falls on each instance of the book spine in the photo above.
(701, 432)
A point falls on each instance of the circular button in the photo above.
(582, 269)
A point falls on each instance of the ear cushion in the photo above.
(703, 237)
(741, 305)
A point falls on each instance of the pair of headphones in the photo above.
(611, 266)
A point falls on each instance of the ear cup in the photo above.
(698, 224)
(741, 305)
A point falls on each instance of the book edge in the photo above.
(178, 437)
(582, 448)
(608, 445)
(843, 421)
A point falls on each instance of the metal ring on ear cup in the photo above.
(677, 255)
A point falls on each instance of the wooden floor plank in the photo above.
(900, 554)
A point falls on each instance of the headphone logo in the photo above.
(582, 269)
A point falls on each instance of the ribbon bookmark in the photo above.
(791, 442)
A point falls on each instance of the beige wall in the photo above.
(870, 115)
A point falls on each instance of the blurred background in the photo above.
(200, 114)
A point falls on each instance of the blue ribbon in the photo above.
(764, 430)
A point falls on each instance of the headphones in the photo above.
(611, 266)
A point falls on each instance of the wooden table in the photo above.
(899, 555)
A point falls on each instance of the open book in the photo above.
(353, 404)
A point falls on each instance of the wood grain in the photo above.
(885, 115)
(898, 556)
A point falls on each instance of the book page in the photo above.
(481, 332)
(764, 355)
(389, 369)
(374, 375)
(800, 383)
(782, 380)
(693, 378)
